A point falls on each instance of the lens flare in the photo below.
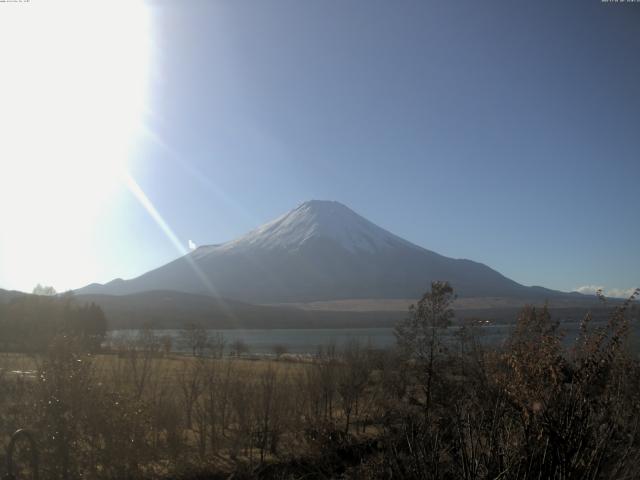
(74, 88)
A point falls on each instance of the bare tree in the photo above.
(44, 290)
(279, 350)
(216, 345)
(239, 347)
(419, 334)
(191, 386)
(166, 341)
(353, 376)
(196, 338)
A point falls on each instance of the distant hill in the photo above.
(167, 309)
(321, 251)
(171, 309)
(8, 295)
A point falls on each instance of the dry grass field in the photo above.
(533, 407)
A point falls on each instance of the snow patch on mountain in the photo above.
(314, 219)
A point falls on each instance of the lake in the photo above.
(307, 341)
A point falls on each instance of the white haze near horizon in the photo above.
(607, 292)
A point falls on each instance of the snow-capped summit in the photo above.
(314, 220)
(321, 250)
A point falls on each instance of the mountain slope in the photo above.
(170, 309)
(8, 295)
(319, 251)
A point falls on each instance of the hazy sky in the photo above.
(504, 132)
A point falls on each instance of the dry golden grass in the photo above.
(171, 367)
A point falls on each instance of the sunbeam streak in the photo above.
(144, 200)
(197, 174)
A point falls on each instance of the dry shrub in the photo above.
(534, 408)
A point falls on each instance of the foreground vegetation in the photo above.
(427, 409)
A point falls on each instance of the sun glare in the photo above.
(72, 100)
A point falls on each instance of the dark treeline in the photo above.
(29, 323)
(531, 408)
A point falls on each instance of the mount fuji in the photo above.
(321, 250)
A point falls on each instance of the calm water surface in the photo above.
(307, 341)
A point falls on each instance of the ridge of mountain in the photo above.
(321, 250)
